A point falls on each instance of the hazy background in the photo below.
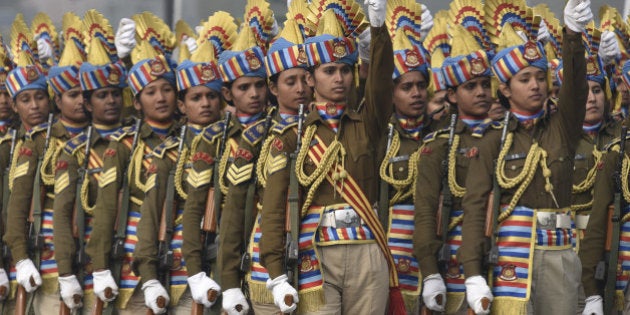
(192, 11)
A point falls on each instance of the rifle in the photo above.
(6, 255)
(250, 203)
(36, 240)
(614, 229)
(383, 205)
(293, 210)
(118, 248)
(79, 225)
(210, 222)
(165, 234)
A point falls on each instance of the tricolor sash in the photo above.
(128, 279)
(179, 274)
(48, 264)
(512, 276)
(257, 275)
(623, 264)
(400, 242)
(351, 192)
(454, 277)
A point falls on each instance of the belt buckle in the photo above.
(346, 218)
(546, 221)
(563, 221)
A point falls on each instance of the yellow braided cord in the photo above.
(261, 172)
(625, 167)
(85, 194)
(581, 207)
(50, 159)
(319, 175)
(535, 156)
(455, 221)
(223, 163)
(456, 190)
(179, 171)
(137, 158)
(16, 155)
(404, 187)
(588, 182)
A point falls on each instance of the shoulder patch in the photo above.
(436, 134)
(35, 130)
(481, 129)
(75, 143)
(25, 152)
(254, 133)
(169, 143)
(6, 137)
(214, 131)
(285, 125)
(615, 144)
(123, 132)
(202, 156)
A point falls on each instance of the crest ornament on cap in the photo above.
(531, 52)
(339, 49)
(157, 67)
(478, 66)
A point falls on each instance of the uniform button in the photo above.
(400, 169)
(513, 167)
(561, 159)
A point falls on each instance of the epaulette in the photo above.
(75, 143)
(214, 131)
(436, 134)
(6, 137)
(123, 132)
(615, 143)
(169, 143)
(35, 130)
(481, 129)
(285, 124)
(254, 133)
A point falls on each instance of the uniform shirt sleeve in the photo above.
(592, 246)
(66, 177)
(379, 87)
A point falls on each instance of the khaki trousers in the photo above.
(45, 304)
(356, 280)
(265, 309)
(556, 280)
(135, 306)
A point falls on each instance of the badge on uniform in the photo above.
(508, 273)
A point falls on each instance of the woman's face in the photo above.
(201, 105)
(157, 101)
(595, 103)
(526, 90)
(291, 90)
(248, 94)
(32, 106)
(410, 94)
(70, 105)
(106, 104)
(473, 97)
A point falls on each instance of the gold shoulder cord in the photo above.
(137, 158)
(18, 146)
(535, 156)
(625, 168)
(179, 167)
(334, 155)
(261, 172)
(457, 190)
(50, 159)
(223, 164)
(588, 182)
(85, 188)
(404, 187)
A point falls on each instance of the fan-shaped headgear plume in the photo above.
(65, 75)
(27, 75)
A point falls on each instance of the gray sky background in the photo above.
(191, 10)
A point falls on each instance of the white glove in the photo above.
(198, 29)
(69, 287)
(522, 35)
(376, 11)
(199, 285)
(231, 299)
(609, 47)
(25, 271)
(125, 39)
(364, 45)
(4, 282)
(153, 289)
(577, 13)
(476, 290)
(274, 28)
(594, 305)
(44, 49)
(433, 286)
(426, 21)
(543, 33)
(190, 43)
(103, 280)
(280, 288)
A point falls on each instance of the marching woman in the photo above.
(533, 266)
(152, 82)
(103, 102)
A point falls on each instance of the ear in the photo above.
(505, 90)
(273, 88)
(136, 104)
(310, 78)
(181, 106)
(227, 93)
(88, 106)
(451, 95)
(57, 99)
